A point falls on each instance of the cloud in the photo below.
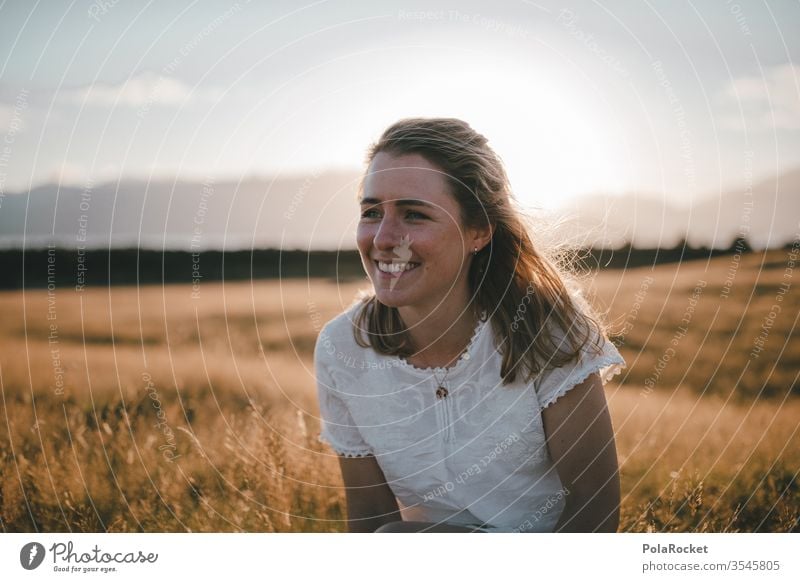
(144, 90)
(771, 101)
(67, 173)
(13, 113)
(6, 114)
(79, 175)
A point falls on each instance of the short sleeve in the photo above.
(553, 383)
(337, 427)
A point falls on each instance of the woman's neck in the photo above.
(440, 336)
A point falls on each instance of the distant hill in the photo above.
(288, 212)
(769, 215)
(319, 211)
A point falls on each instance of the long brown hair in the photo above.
(520, 287)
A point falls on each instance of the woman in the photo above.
(466, 393)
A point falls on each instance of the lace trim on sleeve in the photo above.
(608, 366)
(324, 437)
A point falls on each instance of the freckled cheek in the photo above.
(450, 252)
(364, 238)
(435, 249)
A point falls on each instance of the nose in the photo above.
(388, 235)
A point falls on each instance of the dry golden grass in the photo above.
(701, 463)
(232, 374)
(724, 323)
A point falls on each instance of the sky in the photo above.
(674, 100)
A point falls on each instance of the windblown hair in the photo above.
(522, 290)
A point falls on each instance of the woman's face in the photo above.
(412, 243)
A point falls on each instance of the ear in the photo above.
(479, 236)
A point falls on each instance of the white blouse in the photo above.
(476, 457)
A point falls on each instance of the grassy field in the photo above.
(150, 409)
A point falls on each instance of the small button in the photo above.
(466, 356)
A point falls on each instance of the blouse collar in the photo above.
(465, 356)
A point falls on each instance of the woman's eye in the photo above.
(374, 213)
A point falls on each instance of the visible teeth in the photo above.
(395, 267)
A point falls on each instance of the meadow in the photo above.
(168, 408)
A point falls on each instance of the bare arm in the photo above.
(580, 439)
(370, 501)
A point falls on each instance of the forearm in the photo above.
(580, 440)
(425, 527)
(362, 521)
(370, 501)
(591, 511)
(442, 527)
(368, 510)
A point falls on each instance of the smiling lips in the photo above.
(396, 268)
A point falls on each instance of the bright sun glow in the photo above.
(556, 138)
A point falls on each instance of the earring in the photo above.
(475, 252)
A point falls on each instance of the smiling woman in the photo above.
(407, 207)
(472, 395)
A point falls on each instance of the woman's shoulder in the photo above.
(341, 322)
(337, 334)
(597, 354)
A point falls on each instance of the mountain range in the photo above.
(319, 211)
(767, 214)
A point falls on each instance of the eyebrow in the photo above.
(399, 202)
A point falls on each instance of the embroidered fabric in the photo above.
(337, 427)
(477, 456)
(553, 383)
(465, 355)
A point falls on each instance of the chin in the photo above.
(390, 298)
